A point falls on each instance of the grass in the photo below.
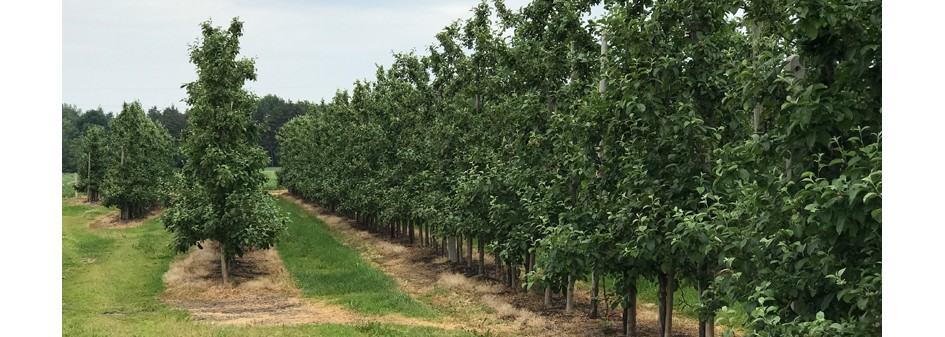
(325, 269)
(68, 187)
(111, 280)
(271, 182)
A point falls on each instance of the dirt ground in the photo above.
(482, 302)
(112, 220)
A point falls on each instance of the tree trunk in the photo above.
(224, 266)
(88, 186)
(595, 283)
(451, 249)
(631, 311)
(482, 257)
(569, 304)
(411, 225)
(661, 298)
(513, 278)
(469, 252)
(670, 290)
(459, 249)
(710, 327)
(547, 296)
(626, 317)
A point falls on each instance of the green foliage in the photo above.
(175, 123)
(219, 195)
(140, 163)
(92, 169)
(740, 154)
(273, 112)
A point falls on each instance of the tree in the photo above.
(174, 122)
(70, 137)
(92, 161)
(140, 164)
(220, 195)
(272, 111)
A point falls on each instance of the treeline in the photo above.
(271, 111)
(734, 147)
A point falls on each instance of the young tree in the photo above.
(141, 163)
(220, 195)
(91, 162)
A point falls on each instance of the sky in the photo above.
(116, 51)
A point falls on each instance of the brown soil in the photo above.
(262, 293)
(481, 301)
(112, 220)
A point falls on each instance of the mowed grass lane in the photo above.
(326, 269)
(112, 280)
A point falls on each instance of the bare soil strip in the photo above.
(112, 220)
(480, 301)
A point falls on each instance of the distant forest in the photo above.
(271, 111)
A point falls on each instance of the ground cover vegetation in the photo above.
(112, 285)
(732, 147)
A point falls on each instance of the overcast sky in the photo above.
(118, 50)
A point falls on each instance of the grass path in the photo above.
(112, 283)
(326, 269)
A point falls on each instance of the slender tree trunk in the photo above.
(459, 249)
(498, 263)
(224, 266)
(670, 290)
(569, 304)
(710, 327)
(482, 257)
(469, 252)
(626, 317)
(451, 249)
(411, 230)
(595, 283)
(661, 298)
(631, 312)
(547, 296)
(88, 186)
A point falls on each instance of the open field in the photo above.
(271, 182)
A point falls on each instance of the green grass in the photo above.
(68, 187)
(326, 269)
(271, 182)
(111, 280)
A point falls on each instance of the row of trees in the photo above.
(75, 123)
(731, 146)
(271, 111)
(129, 166)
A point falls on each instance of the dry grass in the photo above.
(262, 290)
(112, 220)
